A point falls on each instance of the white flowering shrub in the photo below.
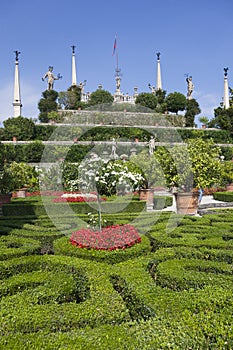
(119, 176)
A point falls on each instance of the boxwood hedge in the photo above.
(171, 291)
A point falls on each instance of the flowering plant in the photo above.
(119, 176)
(75, 197)
(109, 238)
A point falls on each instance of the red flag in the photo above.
(114, 46)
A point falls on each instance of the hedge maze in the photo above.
(171, 291)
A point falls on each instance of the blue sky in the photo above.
(193, 37)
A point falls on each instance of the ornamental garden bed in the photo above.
(173, 287)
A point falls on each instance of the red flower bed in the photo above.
(77, 197)
(73, 200)
(110, 238)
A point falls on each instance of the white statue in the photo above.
(50, 78)
(190, 87)
(114, 147)
(81, 86)
(151, 145)
(152, 88)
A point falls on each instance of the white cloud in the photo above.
(207, 103)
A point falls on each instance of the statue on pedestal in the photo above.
(190, 87)
(151, 145)
(114, 147)
(51, 77)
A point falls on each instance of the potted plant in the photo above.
(152, 173)
(227, 175)
(189, 167)
(204, 121)
(23, 177)
(6, 184)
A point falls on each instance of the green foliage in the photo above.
(55, 117)
(70, 99)
(33, 151)
(192, 109)
(175, 102)
(62, 246)
(43, 132)
(119, 176)
(47, 104)
(21, 128)
(227, 173)
(151, 169)
(197, 165)
(24, 176)
(203, 120)
(100, 97)
(148, 100)
(223, 196)
(172, 291)
(6, 179)
(223, 119)
(38, 209)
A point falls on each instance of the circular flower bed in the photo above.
(110, 238)
(75, 197)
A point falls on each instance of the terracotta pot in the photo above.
(229, 187)
(147, 194)
(21, 193)
(186, 203)
(5, 199)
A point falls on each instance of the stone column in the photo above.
(226, 104)
(74, 77)
(159, 79)
(17, 100)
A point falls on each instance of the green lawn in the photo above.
(171, 291)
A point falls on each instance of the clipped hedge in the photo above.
(171, 291)
(59, 209)
(62, 246)
(223, 196)
(11, 246)
(35, 312)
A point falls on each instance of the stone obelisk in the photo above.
(74, 77)
(17, 100)
(159, 79)
(226, 104)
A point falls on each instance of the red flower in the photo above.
(110, 238)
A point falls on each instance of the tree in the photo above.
(100, 97)
(21, 128)
(47, 104)
(223, 119)
(196, 165)
(192, 109)
(147, 99)
(71, 98)
(24, 175)
(175, 102)
(160, 94)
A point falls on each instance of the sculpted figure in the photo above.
(50, 78)
(190, 87)
(151, 145)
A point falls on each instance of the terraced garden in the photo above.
(173, 290)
